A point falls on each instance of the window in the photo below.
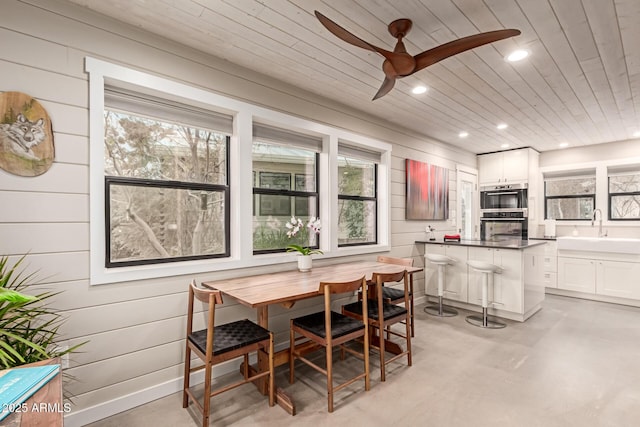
(624, 196)
(285, 184)
(570, 198)
(169, 175)
(357, 196)
(166, 180)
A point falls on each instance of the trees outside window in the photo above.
(572, 198)
(357, 202)
(166, 190)
(624, 196)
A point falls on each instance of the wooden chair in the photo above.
(328, 329)
(381, 314)
(395, 295)
(219, 343)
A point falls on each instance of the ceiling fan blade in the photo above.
(348, 37)
(386, 87)
(437, 54)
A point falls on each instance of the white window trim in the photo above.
(240, 183)
(602, 190)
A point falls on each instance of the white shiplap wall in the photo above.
(135, 330)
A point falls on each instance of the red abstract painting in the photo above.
(427, 191)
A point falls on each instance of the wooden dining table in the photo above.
(286, 288)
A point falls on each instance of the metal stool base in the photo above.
(440, 311)
(484, 322)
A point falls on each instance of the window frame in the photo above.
(258, 191)
(373, 199)
(102, 73)
(591, 196)
(182, 185)
(610, 196)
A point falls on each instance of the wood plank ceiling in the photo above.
(580, 85)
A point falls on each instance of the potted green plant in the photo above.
(28, 325)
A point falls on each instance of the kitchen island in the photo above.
(515, 294)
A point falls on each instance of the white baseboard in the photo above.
(126, 402)
(106, 409)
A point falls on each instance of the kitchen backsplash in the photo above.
(588, 231)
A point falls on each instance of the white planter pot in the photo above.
(304, 262)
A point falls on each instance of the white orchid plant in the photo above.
(308, 232)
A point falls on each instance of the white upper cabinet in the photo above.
(504, 167)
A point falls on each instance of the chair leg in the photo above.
(382, 367)
(292, 344)
(367, 376)
(187, 371)
(329, 351)
(408, 340)
(207, 396)
(272, 391)
(245, 365)
(413, 329)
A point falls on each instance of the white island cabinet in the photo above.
(507, 291)
(515, 294)
(455, 284)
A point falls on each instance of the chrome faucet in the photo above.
(595, 211)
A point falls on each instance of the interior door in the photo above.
(468, 218)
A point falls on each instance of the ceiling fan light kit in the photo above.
(399, 63)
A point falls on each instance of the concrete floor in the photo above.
(575, 363)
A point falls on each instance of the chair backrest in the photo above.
(407, 262)
(329, 288)
(341, 287)
(381, 278)
(207, 295)
(210, 296)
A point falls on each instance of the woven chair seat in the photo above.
(393, 294)
(230, 336)
(389, 311)
(340, 324)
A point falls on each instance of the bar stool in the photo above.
(485, 321)
(440, 310)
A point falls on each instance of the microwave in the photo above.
(501, 198)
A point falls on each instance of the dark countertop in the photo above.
(505, 244)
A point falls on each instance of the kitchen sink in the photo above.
(600, 244)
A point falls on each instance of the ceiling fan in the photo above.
(399, 63)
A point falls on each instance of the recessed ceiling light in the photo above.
(463, 134)
(564, 145)
(419, 89)
(502, 126)
(517, 55)
(504, 146)
(636, 134)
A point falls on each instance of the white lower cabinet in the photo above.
(506, 291)
(455, 277)
(618, 279)
(551, 264)
(577, 274)
(599, 277)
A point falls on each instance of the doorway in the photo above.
(467, 203)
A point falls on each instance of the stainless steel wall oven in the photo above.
(505, 225)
